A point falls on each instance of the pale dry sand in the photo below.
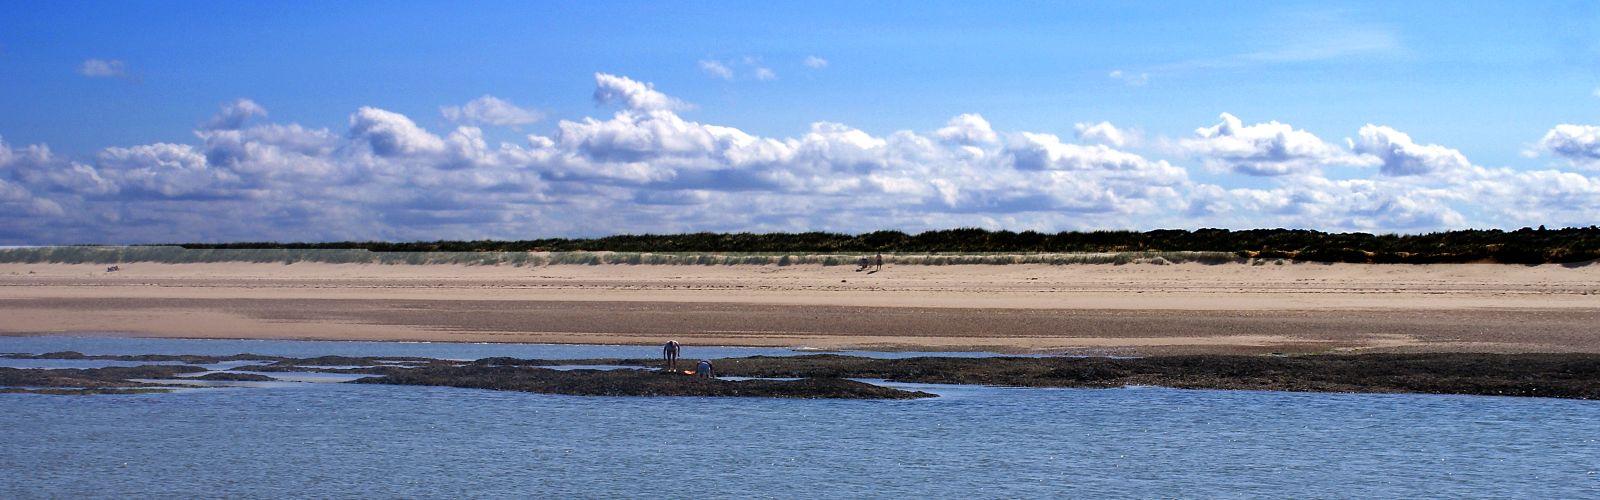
(1135, 308)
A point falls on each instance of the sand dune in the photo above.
(1136, 308)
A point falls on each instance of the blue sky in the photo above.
(122, 95)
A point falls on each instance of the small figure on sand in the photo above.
(669, 353)
(704, 369)
(865, 263)
(113, 269)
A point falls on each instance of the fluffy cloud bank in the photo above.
(1397, 154)
(1579, 144)
(646, 167)
(1266, 149)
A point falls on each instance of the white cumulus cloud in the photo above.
(646, 167)
(490, 110)
(1399, 155)
(234, 114)
(1265, 149)
(968, 129)
(632, 94)
(391, 134)
(1104, 133)
(1579, 144)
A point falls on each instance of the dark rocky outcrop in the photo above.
(191, 359)
(91, 378)
(1575, 376)
(82, 392)
(1544, 375)
(234, 377)
(632, 383)
(358, 361)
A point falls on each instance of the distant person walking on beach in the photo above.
(879, 262)
(669, 353)
(704, 369)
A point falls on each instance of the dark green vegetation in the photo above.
(631, 383)
(1573, 376)
(180, 255)
(1523, 246)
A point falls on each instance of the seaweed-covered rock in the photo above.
(632, 383)
(1543, 375)
(62, 355)
(91, 378)
(193, 359)
(235, 377)
(357, 361)
(1575, 376)
(82, 392)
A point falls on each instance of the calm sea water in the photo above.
(338, 440)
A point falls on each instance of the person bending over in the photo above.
(669, 353)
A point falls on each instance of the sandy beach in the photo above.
(1091, 309)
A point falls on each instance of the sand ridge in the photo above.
(1134, 308)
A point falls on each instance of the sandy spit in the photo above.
(1126, 309)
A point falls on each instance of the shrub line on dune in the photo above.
(942, 247)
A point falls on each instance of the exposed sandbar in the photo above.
(1141, 309)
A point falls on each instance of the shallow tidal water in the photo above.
(344, 440)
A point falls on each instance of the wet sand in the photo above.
(1093, 309)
